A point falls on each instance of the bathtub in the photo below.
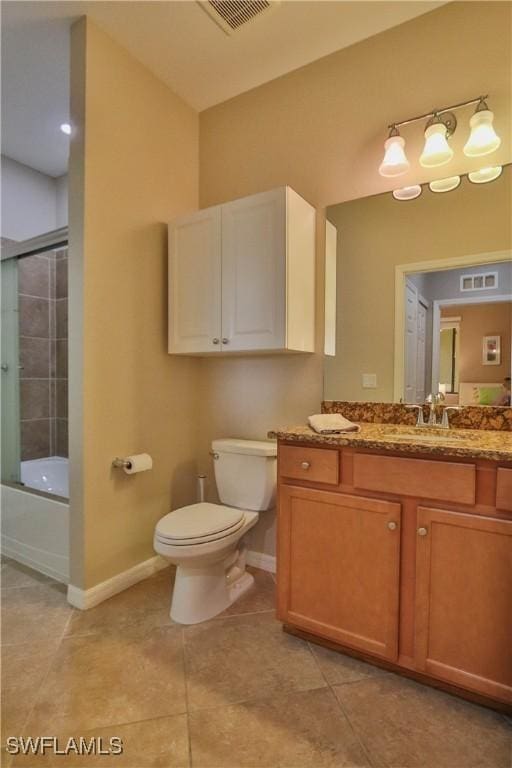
(35, 526)
(48, 475)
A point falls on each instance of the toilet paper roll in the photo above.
(141, 462)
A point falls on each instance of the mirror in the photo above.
(419, 297)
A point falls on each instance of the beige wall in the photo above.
(477, 321)
(140, 169)
(320, 130)
(377, 233)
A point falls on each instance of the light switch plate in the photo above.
(369, 381)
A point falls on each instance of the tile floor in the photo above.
(235, 692)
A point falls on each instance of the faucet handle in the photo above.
(419, 421)
(445, 421)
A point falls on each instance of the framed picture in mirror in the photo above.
(491, 350)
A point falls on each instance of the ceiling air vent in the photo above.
(230, 15)
(479, 282)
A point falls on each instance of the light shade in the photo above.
(483, 139)
(407, 193)
(395, 163)
(65, 128)
(436, 151)
(445, 185)
(485, 174)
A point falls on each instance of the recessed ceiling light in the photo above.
(66, 128)
(407, 193)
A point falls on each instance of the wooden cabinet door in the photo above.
(338, 567)
(463, 627)
(254, 272)
(195, 283)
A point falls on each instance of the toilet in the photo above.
(204, 540)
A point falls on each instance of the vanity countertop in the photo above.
(468, 443)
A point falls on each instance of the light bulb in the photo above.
(485, 174)
(65, 128)
(407, 193)
(445, 185)
(483, 139)
(395, 163)
(436, 151)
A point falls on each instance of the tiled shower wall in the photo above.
(43, 311)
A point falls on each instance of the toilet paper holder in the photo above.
(121, 463)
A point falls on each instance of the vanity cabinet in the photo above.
(339, 574)
(463, 618)
(404, 560)
(242, 277)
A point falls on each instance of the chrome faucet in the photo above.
(433, 400)
(420, 422)
(445, 421)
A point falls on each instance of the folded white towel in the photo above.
(331, 424)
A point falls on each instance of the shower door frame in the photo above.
(11, 453)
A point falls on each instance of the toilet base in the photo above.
(202, 593)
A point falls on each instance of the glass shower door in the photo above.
(10, 376)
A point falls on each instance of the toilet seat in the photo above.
(198, 524)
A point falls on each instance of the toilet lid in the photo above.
(198, 520)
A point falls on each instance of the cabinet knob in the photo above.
(305, 465)
(225, 341)
(215, 341)
(392, 525)
(422, 531)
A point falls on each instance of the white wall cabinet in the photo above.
(242, 277)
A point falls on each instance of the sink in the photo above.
(425, 435)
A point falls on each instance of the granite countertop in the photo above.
(468, 443)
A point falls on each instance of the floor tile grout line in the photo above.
(185, 676)
(341, 708)
(47, 673)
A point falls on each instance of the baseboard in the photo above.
(88, 598)
(261, 560)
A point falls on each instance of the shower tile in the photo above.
(35, 358)
(34, 399)
(62, 437)
(61, 278)
(35, 439)
(62, 359)
(61, 315)
(61, 408)
(34, 276)
(34, 317)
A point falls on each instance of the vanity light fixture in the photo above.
(437, 151)
(407, 193)
(444, 185)
(485, 174)
(483, 139)
(441, 124)
(395, 162)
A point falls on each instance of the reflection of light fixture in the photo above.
(437, 151)
(485, 174)
(407, 193)
(395, 162)
(445, 185)
(483, 139)
(66, 128)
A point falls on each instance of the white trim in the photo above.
(433, 265)
(88, 598)
(436, 324)
(261, 560)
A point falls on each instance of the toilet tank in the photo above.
(245, 473)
